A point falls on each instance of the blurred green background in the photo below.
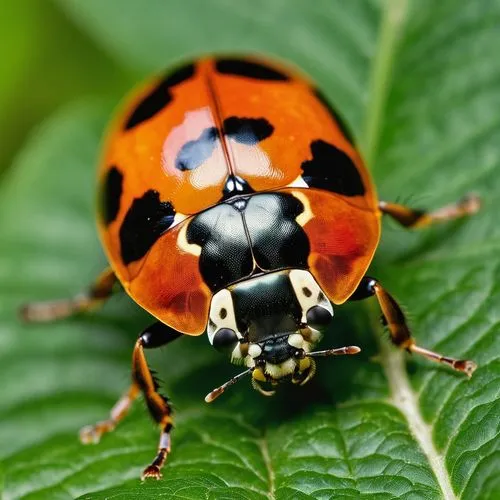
(47, 61)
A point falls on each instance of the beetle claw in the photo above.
(151, 471)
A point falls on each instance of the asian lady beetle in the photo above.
(233, 201)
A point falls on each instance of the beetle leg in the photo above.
(95, 296)
(398, 327)
(91, 434)
(411, 218)
(143, 380)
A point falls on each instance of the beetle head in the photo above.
(270, 323)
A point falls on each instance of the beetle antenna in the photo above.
(350, 349)
(219, 390)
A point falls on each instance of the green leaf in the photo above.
(419, 81)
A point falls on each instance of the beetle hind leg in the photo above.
(95, 296)
(395, 321)
(412, 218)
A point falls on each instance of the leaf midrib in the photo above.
(402, 394)
(403, 397)
(264, 449)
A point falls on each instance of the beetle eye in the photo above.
(318, 317)
(225, 340)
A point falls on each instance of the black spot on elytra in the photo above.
(159, 97)
(179, 75)
(193, 153)
(248, 131)
(146, 220)
(111, 195)
(332, 169)
(249, 69)
(336, 117)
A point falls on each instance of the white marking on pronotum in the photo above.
(183, 243)
(304, 217)
(299, 182)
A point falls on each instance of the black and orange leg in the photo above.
(413, 218)
(394, 318)
(95, 296)
(143, 381)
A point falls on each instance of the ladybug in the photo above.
(233, 201)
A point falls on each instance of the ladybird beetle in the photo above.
(233, 201)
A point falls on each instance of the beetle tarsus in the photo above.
(91, 434)
(151, 471)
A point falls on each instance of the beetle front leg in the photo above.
(158, 405)
(397, 325)
(156, 335)
(95, 296)
(413, 218)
